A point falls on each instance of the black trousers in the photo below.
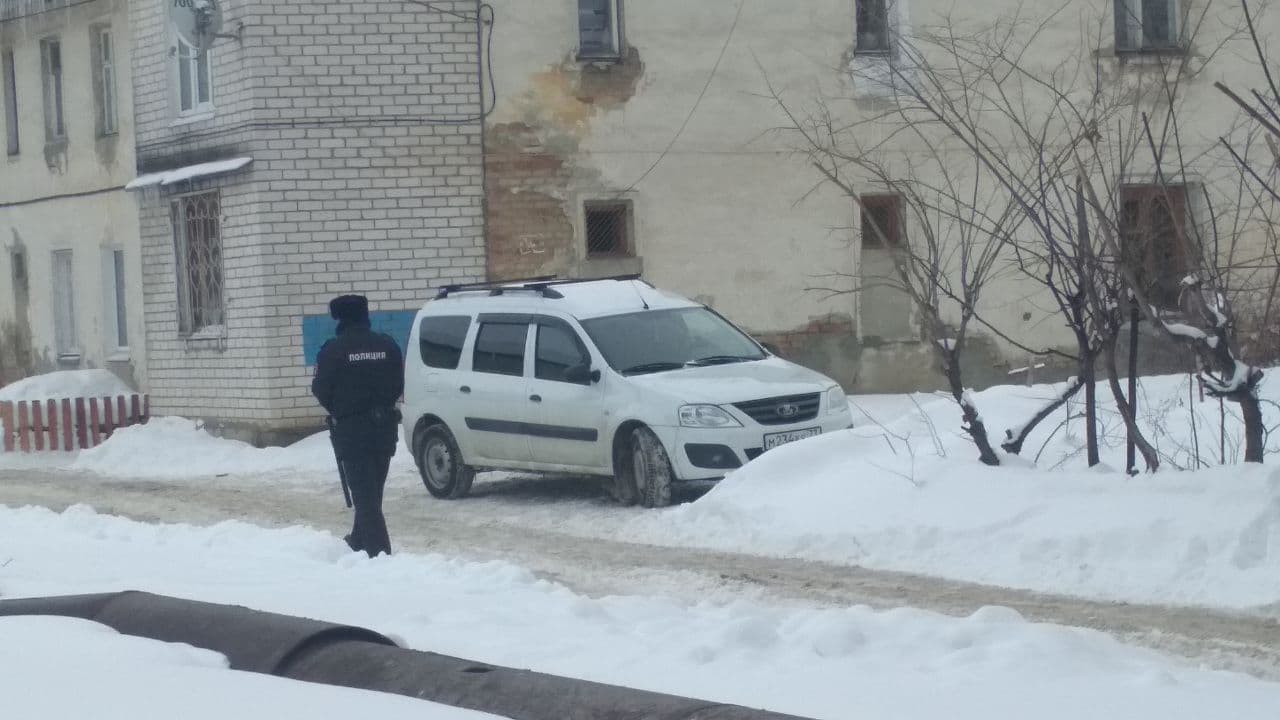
(367, 476)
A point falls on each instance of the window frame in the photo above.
(617, 42)
(188, 67)
(186, 306)
(1133, 23)
(887, 32)
(894, 233)
(627, 225)
(115, 302)
(105, 86)
(52, 80)
(9, 93)
(64, 301)
(484, 323)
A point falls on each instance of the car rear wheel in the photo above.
(440, 464)
(651, 472)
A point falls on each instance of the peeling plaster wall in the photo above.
(731, 214)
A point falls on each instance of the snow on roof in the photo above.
(189, 172)
(582, 300)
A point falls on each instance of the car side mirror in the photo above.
(582, 375)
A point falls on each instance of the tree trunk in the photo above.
(972, 420)
(1126, 411)
(1013, 442)
(1088, 375)
(1251, 410)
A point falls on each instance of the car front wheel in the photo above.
(440, 464)
(650, 468)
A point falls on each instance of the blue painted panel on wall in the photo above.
(318, 329)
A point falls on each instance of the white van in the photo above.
(609, 377)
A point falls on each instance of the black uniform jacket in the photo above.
(359, 378)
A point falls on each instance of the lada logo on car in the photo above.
(787, 410)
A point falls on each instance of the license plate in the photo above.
(773, 440)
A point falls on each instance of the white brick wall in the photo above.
(356, 185)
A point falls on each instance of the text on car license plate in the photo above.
(773, 440)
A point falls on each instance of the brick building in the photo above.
(318, 149)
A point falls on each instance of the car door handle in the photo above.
(536, 398)
(465, 388)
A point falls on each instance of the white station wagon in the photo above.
(609, 377)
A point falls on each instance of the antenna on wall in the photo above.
(198, 23)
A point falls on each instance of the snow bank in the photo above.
(823, 663)
(910, 495)
(66, 384)
(170, 447)
(73, 668)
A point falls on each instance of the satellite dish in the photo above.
(197, 22)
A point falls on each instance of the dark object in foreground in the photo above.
(315, 651)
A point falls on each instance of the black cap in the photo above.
(349, 308)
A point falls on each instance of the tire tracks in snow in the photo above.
(515, 520)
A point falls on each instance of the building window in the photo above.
(197, 236)
(1146, 25)
(10, 79)
(195, 79)
(881, 221)
(64, 304)
(873, 27)
(55, 126)
(104, 80)
(1154, 243)
(599, 28)
(608, 226)
(118, 319)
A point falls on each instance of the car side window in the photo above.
(500, 348)
(440, 340)
(558, 349)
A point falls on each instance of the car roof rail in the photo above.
(542, 285)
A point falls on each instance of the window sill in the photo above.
(1152, 52)
(119, 355)
(193, 116)
(599, 57)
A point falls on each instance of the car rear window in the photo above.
(440, 340)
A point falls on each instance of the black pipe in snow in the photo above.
(334, 654)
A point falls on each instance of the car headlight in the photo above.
(706, 416)
(837, 401)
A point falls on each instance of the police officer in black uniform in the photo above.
(359, 379)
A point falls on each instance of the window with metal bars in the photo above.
(1154, 243)
(197, 226)
(608, 226)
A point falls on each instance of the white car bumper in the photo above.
(711, 453)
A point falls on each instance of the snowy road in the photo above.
(526, 522)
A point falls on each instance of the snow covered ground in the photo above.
(71, 668)
(65, 384)
(823, 663)
(904, 491)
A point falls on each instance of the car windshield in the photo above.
(661, 340)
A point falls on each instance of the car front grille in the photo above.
(782, 410)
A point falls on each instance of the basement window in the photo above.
(608, 228)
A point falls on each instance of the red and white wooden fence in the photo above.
(69, 423)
